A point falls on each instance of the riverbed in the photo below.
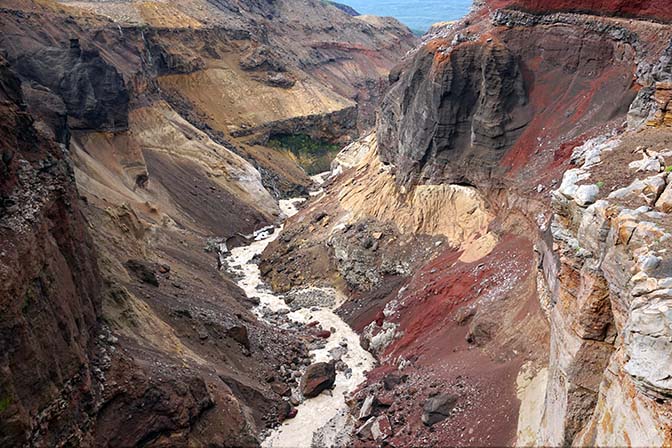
(322, 420)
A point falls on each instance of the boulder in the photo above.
(323, 334)
(239, 334)
(586, 194)
(664, 203)
(281, 389)
(281, 80)
(143, 271)
(438, 408)
(318, 377)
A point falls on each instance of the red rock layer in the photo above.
(658, 10)
(452, 317)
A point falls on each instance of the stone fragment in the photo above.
(381, 428)
(438, 408)
(318, 377)
(337, 353)
(295, 399)
(664, 203)
(393, 379)
(367, 408)
(341, 366)
(586, 194)
(324, 334)
(647, 164)
(364, 431)
(281, 389)
(650, 189)
(143, 271)
(239, 334)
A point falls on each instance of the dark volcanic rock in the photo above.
(143, 271)
(49, 283)
(239, 334)
(454, 109)
(281, 389)
(93, 91)
(318, 377)
(393, 379)
(438, 408)
(349, 10)
(262, 58)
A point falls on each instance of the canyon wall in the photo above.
(646, 9)
(502, 234)
(547, 322)
(50, 281)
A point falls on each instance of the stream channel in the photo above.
(320, 421)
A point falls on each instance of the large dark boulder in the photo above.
(318, 377)
(438, 408)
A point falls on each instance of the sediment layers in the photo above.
(564, 309)
(50, 282)
(134, 158)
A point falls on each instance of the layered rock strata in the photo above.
(124, 185)
(563, 143)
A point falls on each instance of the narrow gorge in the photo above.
(485, 261)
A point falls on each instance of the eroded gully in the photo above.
(321, 420)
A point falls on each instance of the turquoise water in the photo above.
(418, 15)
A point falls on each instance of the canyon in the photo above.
(486, 262)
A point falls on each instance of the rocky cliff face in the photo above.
(552, 115)
(653, 9)
(609, 322)
(50, 282)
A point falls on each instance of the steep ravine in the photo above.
(490, 266)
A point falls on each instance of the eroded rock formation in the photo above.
(553, 116)
(501, 236)
(133, 159)
(50, 294)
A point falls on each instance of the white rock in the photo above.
(648, 263)
(664, 203)
(572, 177)
(586, 194)
(367, 408)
